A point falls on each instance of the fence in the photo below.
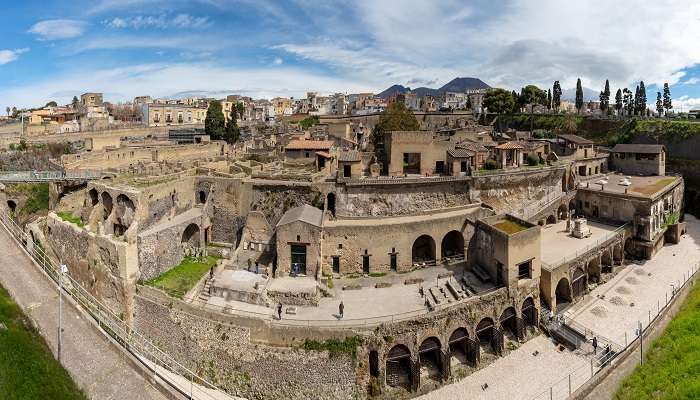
(48, 176)
(177, 376)
(580, 375)
(586, 249)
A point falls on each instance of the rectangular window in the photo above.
(346, 171)
(524, 270)
(439, 167)
(336, 264)
(298, 259)
(392, 262)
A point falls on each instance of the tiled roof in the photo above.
(473, 146)
(306, 213)
(309, 145)
(575, 139)
(638, 148)
(349, 156)
(460, 153)
(509, 146)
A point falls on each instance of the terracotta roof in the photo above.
(323, 154)
(349, 156)
(638, 148)
(309, 145)
(509, 146)
(306, 213)
(461, 153)
(575, 139)
(473, 146)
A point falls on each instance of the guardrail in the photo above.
(49, 176)
(586, 249)
(569, 383)
(176, 375)
(519, 170)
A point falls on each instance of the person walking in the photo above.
(341, 309)
(211, 272)
(595, 344)
(279, 311)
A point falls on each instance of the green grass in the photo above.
(377, 274)
(334, 347)
(180, 279)
(509, 227)
(27, 367)
(69, 217)
(671, 368)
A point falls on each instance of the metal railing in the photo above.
(49, 176)
(574, 379)
(176, 375)
(586, 249)
(519, 170)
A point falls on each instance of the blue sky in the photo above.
(52, 50)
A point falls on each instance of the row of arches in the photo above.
(434, 360)
(424, 249)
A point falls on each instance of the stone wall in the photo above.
(224, 354)
(273, 199)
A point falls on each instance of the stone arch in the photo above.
(398, 367)
(529, 312)
(124, 213)
(563, 294)
(452, 245)
(606, 260)
(562, 212)
(485, 332)
(508, 321)
(423, 249)
(578, 283)
(374, 364)
(12, 205)
(593, 270)
(190, 236)
(201, 197)
(572, 207)
(93, 196)
(330, 203)
(430, 358)
(618, 254)
(459, 345)
(106, 204)
(551, 219)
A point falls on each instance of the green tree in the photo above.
(14, 112)
(499, 101)
(51, 104)
(214, 124)
(628, 101)
(549, 99)
(659, 104)
(7, 110)
(240, 108)
(618, 101)
(579, 95)
(396, 117)
(605, 97)
(75, 102)
(232, 131)
(556, 96)
(469, 103)
(642, 98)
(668, 105)
(532, 96)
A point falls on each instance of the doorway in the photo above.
(298, 259)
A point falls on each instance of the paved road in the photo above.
(96, 365)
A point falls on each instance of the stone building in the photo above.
(639, 159)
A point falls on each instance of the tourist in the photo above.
(279, 311)
(341, 308)
(595, 344)
(211, 272)
(257, 268)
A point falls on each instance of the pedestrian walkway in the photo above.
(96, 365)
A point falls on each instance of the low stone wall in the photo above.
(224, 354)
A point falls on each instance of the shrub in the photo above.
(532, 159)
(490, 164)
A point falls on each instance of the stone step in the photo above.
(454, 290)
(481, 273)
(435, 295)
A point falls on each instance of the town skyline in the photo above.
(215, 48)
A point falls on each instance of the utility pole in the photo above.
(62, 269)
(641, 344)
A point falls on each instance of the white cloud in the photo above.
(183, 21)
(163, 80)
(7, 56)
(686, 103)
(277, 61)
(55, 29)
(691, 81)
(119, 41)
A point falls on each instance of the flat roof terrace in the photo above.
(644, 186)
(559, 246)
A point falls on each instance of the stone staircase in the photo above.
(204, 293)
(448, 291)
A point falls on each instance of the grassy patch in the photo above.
(27, 367)
(180, 279)
(650, 189)
(334, 347)
(509, 227)
(671, 368)
(377, 274)
(69, 217)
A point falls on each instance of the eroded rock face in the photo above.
(224, 354)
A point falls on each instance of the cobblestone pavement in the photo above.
(99, 368)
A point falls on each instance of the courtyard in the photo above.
(558, 245)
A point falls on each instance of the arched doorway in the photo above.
(106, 204)
(459, 345)
(529, 312)
(489, 336)
(563, 294)
(578, 283)
(124, 214)
(593, 270)
(190, 236)
(374, 364)
(562, 212)
(12, 205)
(606, 260)
(618, 256)
(330, 203)
(452, 245)
(423, 250)
(508, 321)
(430, 358)
(572, 207)
(398, 367)
(202, 197)
(551, 220)
(92, 194)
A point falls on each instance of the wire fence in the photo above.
(176, 375)
(577, 377)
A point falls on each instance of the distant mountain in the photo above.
(588, 94)
(455, 85)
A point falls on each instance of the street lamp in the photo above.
(62, 270)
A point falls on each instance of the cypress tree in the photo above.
(659, 104)
(214, 124)
(556, 95)
(232, 130)
(618, 101)
(668, 105)
(549, 99)
(579, 95)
